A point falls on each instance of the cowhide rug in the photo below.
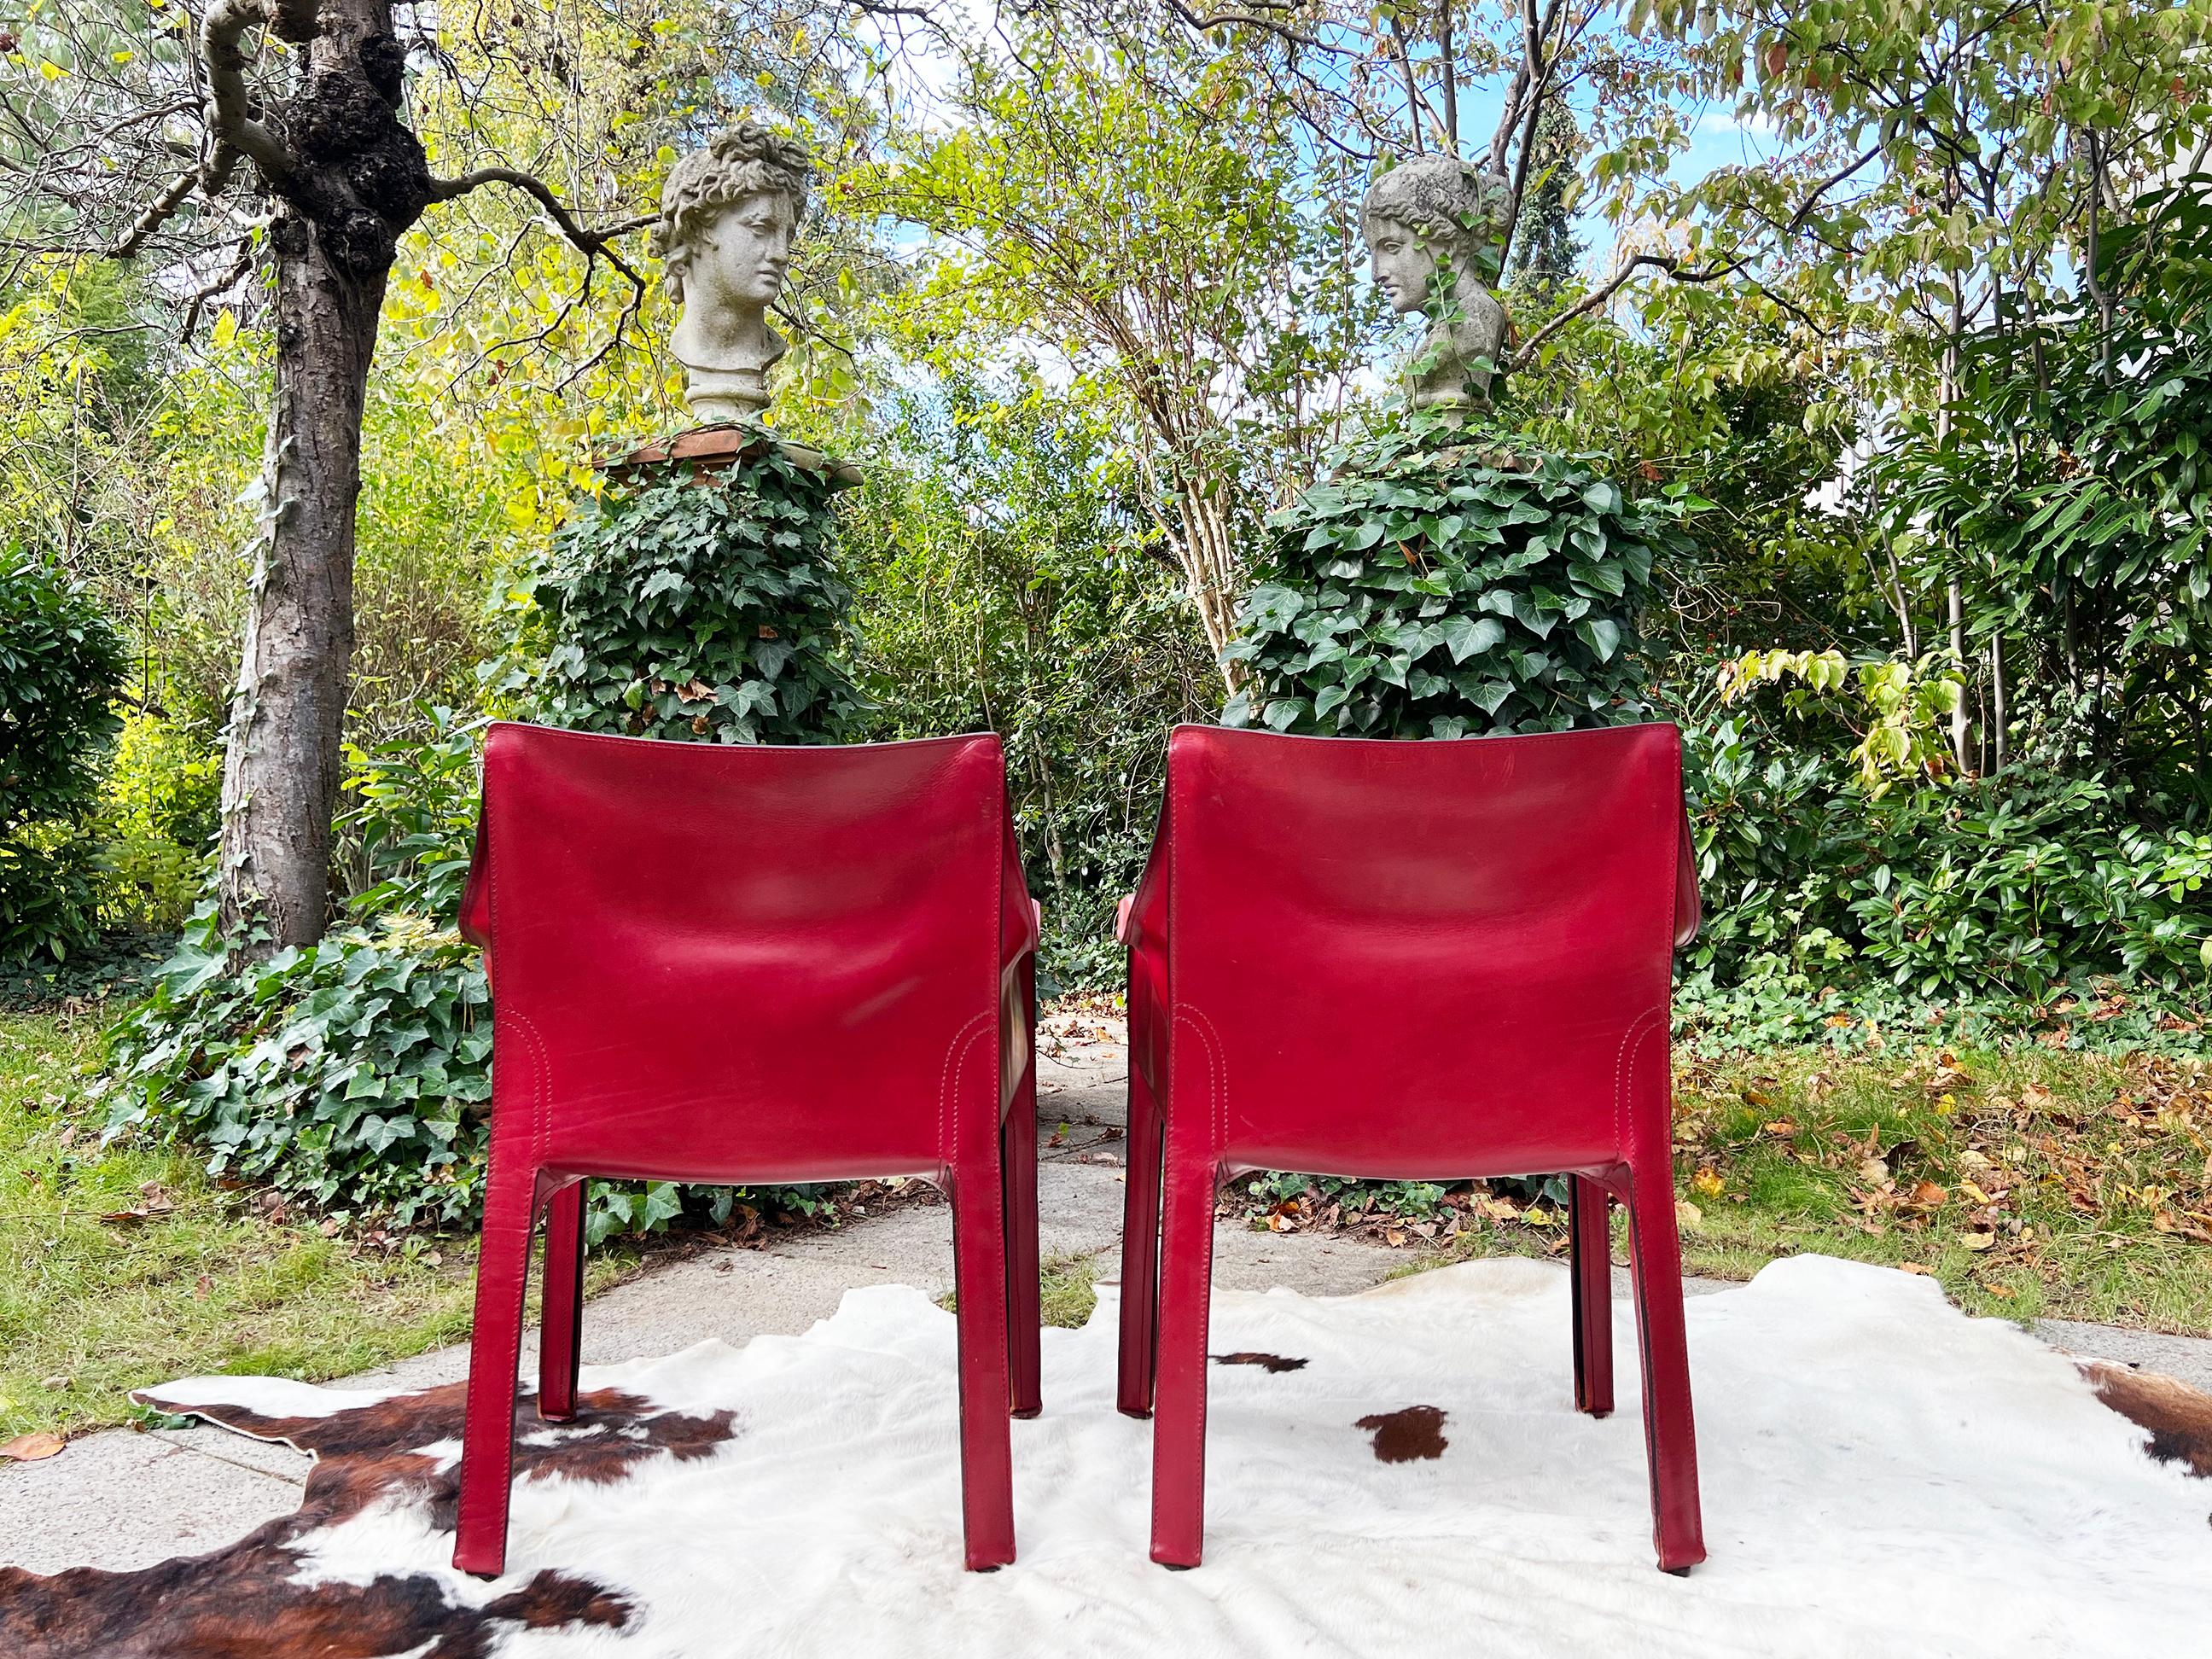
(1393, 1473)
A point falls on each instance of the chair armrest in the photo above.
(1689, 910)
(476, 892)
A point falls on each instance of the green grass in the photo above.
(1067, 1291)
(2031, 1184)
(208, 1281)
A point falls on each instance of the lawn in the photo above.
(2032, 1183)
(129, 1265)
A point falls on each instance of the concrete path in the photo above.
(123, 1500)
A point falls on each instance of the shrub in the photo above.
(676, 611)
(1442, 582)
(61, 663)
(1822, 893)
(1009, 581)
(158, 813)
(356, 1072)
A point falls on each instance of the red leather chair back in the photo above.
(703, 927)
(1487, 925)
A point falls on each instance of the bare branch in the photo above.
(229, 112)
(591, 244)
(229, 279)
(1252, 18)
(1597, 297)
(158, 212)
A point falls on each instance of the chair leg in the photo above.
(1141, 1243)
(1591, 1275)
(980, 1257)
(1017, 1156)
(1669, 1431)
(563, 1305)
(1179, 1420)
(495, 1363)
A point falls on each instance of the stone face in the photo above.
(1436, 233)
(729, 216)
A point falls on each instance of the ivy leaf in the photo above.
(1602, 634)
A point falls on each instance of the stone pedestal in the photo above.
(718, 448)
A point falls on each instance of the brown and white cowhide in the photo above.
(1401, 1471)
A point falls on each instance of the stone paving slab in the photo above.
(124, 1499)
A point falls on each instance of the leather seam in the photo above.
(1636, 1030)
(947, 1087)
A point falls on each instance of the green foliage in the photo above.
(1441, 582)
(678, 610)
(353, 1072)
(2069, 496)
(1898, 707)
(1988, 890)
(1008, 581)
(158, 815)
(61, 664)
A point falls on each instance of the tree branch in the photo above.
(158, 212)
(1597, 296)
(1250, 19)
(229, 109)
(223, 284)
(591, 244)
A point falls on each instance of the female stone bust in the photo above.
(729, 214)
(1435, 229)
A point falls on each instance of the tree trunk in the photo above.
(351, 179)
(280, 783)
(1210, 568)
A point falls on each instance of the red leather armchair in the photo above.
(1436, 960)
(753, 965)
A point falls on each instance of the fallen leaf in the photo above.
(203, 1288)
(1927, 1195)
(1688, 1216)
(1395, 1236)
(1977, 1241)
(1916, 1268)
(32, 1447)
(2002, 1292)
(1973, 1192)
(1781, 1126)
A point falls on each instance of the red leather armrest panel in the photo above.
(1688, 909)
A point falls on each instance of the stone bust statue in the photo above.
(1435, 229)
(729, 214)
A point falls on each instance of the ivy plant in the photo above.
(688, 607)
(1443, 580)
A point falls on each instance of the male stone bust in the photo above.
(1436, 230)
(729, 214)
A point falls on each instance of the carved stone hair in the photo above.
(745, 160)
(1451, 204)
